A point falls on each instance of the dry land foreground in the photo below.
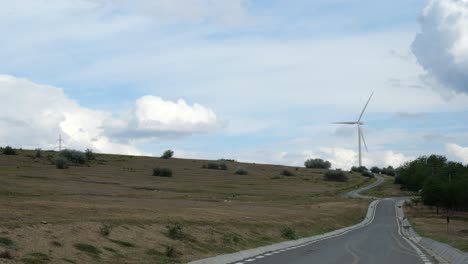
(113, 210)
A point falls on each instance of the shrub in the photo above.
(61, 163)
(73, 156)
(288, 233)
(162, 172)
(368, 174)
(231, 238)
(375, 170)
(38, 153)
(338, 176)
(9, 151)
(5, 255)
(90, 249)
(359, 169)
(6, 242)
(222, 166)
(175, 231)
(167, 154)
(170, 252)
(105, 229)
(317, 164)
(215, 166)
(90, 155)
(286, 173)
(241, 171)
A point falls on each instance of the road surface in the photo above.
(379, 242)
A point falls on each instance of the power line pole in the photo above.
(60, 142)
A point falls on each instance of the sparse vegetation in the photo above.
(36, 258)
(175, 231)
(288, 233)
(287, 173)
(368, 174)
(241, 171)
(38, 153)
(215, 166)
(61, 163)
(170, 251)
(90, 155)
(167, 154)
(122, 243)
(8, 151)
(338, 176)
(73, 156)
(317, 164)
(90, 249)
(231, 239)
(105, 229)
(5, 254)
(162, 172)
(6, 242)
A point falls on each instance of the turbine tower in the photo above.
(358, 124)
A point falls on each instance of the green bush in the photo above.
(359, 169)
(105, 229)
(167, 154)
(337, 176)
(286, 173)
(38, 153)
(61, 163)
(90, 249)
(73, 156)
(317, 164)
(368, 174)
(288, 233)
(90, 155)
(241, 171)
(170, 252)
(215, 166)
(162, 172)
(375, 170)
(8, 151)
(175, 231)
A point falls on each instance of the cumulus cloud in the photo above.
(459, 152)
(442, 45)
(153, 117)
(34, 114)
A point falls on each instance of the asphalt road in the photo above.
(379, 242)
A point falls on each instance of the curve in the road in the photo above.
(378, 242)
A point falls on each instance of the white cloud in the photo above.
(459, 152)
(34, 115)
(395, 159)
(154, 117)
(442, 45)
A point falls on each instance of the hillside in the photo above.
(113, 210)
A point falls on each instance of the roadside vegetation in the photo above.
(442, 186)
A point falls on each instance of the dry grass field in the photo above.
(114, 211)
(428, 223)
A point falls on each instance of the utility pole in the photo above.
(60, 142)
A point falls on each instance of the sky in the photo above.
(252, 80)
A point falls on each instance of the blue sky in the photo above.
(257, 81)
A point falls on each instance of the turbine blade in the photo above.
(363, 110)
(344, 123)
(363, 139)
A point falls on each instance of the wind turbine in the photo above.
(358, 123)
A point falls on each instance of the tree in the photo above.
(317, 164)
(375, 169)
(167, 154)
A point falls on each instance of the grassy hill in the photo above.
(112, 210)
